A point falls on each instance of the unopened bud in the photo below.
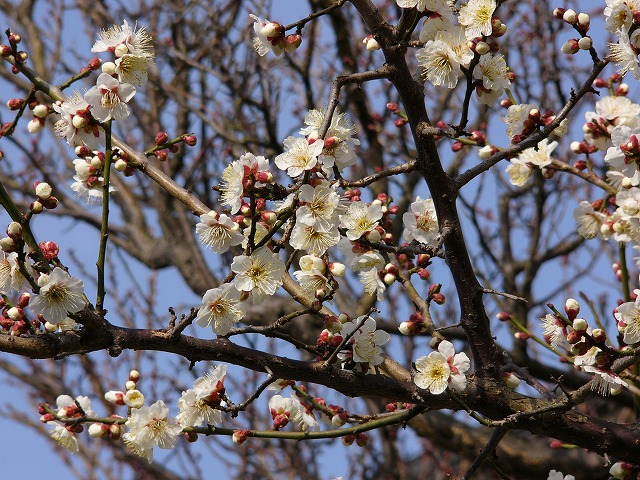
(14, 230)
(40, 111)
(510, 380)
(190, 140)
(585, 43)
(570, 16)
(133, 398)
(292, 42)
(98, 430)
(599, 335)
(572, 308)
(35, 125)
(121, 50)
(161, 138)
(43, 190)
(115, 397)
(240, 436)
(580, 325)
(570, 47)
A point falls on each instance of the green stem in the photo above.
(624, 273)
(104, 227)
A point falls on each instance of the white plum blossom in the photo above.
(372, 281)
(312, 275)
(299, 155)
(320, 205)
(539, 156)
(624, 55)
(59, 294)
(516, 116)
(221, 309)
(628, 315)
(281, 409)
(108, 98)
(76, 124)
(619, 15)
(589, 221)
(136, 40)
(475, 16)
(63, 436)
(302, 415)
(425, 5)
(365, 342)
(10, 276)
(315, 240)
(615, 157)
(439, 17)
(442, 369)
(421, 222)
(150, 426)
(554, 331)
(518, 172)
(197, 405)
(360, 218)
(267, 36)
(492, 70)
(67, 406)
(339, 145)
(604, 382)
(236, 175)
(439, 63)
(260, 273)
(218, 232)
(133, 69)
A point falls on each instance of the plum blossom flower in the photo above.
(218, 232)
(77, 124)
(320, 205)
(439, 63)
(63, 436)
(492, 70)
(518, 172)
(475, 16)
(299, 155)
(151, 426)
(67, 407)
(303, 415)
(604, 381)
(365, 342)
(624, 55)
(281, 409)
(312, 275)
(10, 276)
(516, 117)
(360, 218)
(539, 156)
(629, 314)
(619, 15)
(269, 36)
(372, 281)
(236, 177)
(59, 294)
(108, 98)
(198, 404)
(421, 222)
(314, 239)
(339, 144)
(260, 273)
(221, 309)
(442, 369)
(554, 331)
(136, 40)
(133, 69)
(589, 221)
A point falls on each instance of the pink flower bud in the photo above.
(510, 380)
(438, 298)
(14, 230)
(292, 42)
(348, 440)
(362, 439)
(50, 250)
(43, 190)
(190, 140)
(570, 47)
(161, 155)
(570, 16)
(15, 103)
(161, 138)
(5, 50)
(572, 308)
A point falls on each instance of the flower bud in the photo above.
(120, 165)
(482, 48)
(585, 43)
(121, 50)
(94, 64)
(271, 30)
(109, 68)
(115, 430)
(14, 230)
(130, 385)
(570, 16)
(161, 155)
(620, 470)
(583, 21)
(98, 430)
(115, 397)
(374, 236)
(8, 245)
(133, 398)
(510, 380)
(190, 140)
(572, 308)
(240, 436)
(599, 335)
(43, 190)
(580, 325)
(79, 121)
(570, 47)
(292, 42)
(35, 125)
(372, 44)
(40, 111)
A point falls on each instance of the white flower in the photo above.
(619, 15)
(299, 155)
(59, 293)
(269, 36)
(314, 239)
(439, 17)
(518, 172)
(320, 205)
(339, 146)
(539, 156)
(261, 273)
(604, 382)
(221, 309)
(218, 232)
(373, 284)
(64, 437)
(67, 406)
(302, 415)
(615, 110)
(441, 369)
(492, 70)
(136, 41)
(10, 276)
(589, 221)
(133, 69)
(366, 341)
(92, 194)
(197, 405)
(311, 275)
(360, 218)
(281, 409)
(475, 16)
(623, 54)
(629, 314)
(554, 331)
(76, 123)
(588, 358)
(439, 63)
(616, 159)
(516, 116)
(237, 174)
(108, 98)
(150, 426)
(424, 5)
(421, 222)
(555, 475)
